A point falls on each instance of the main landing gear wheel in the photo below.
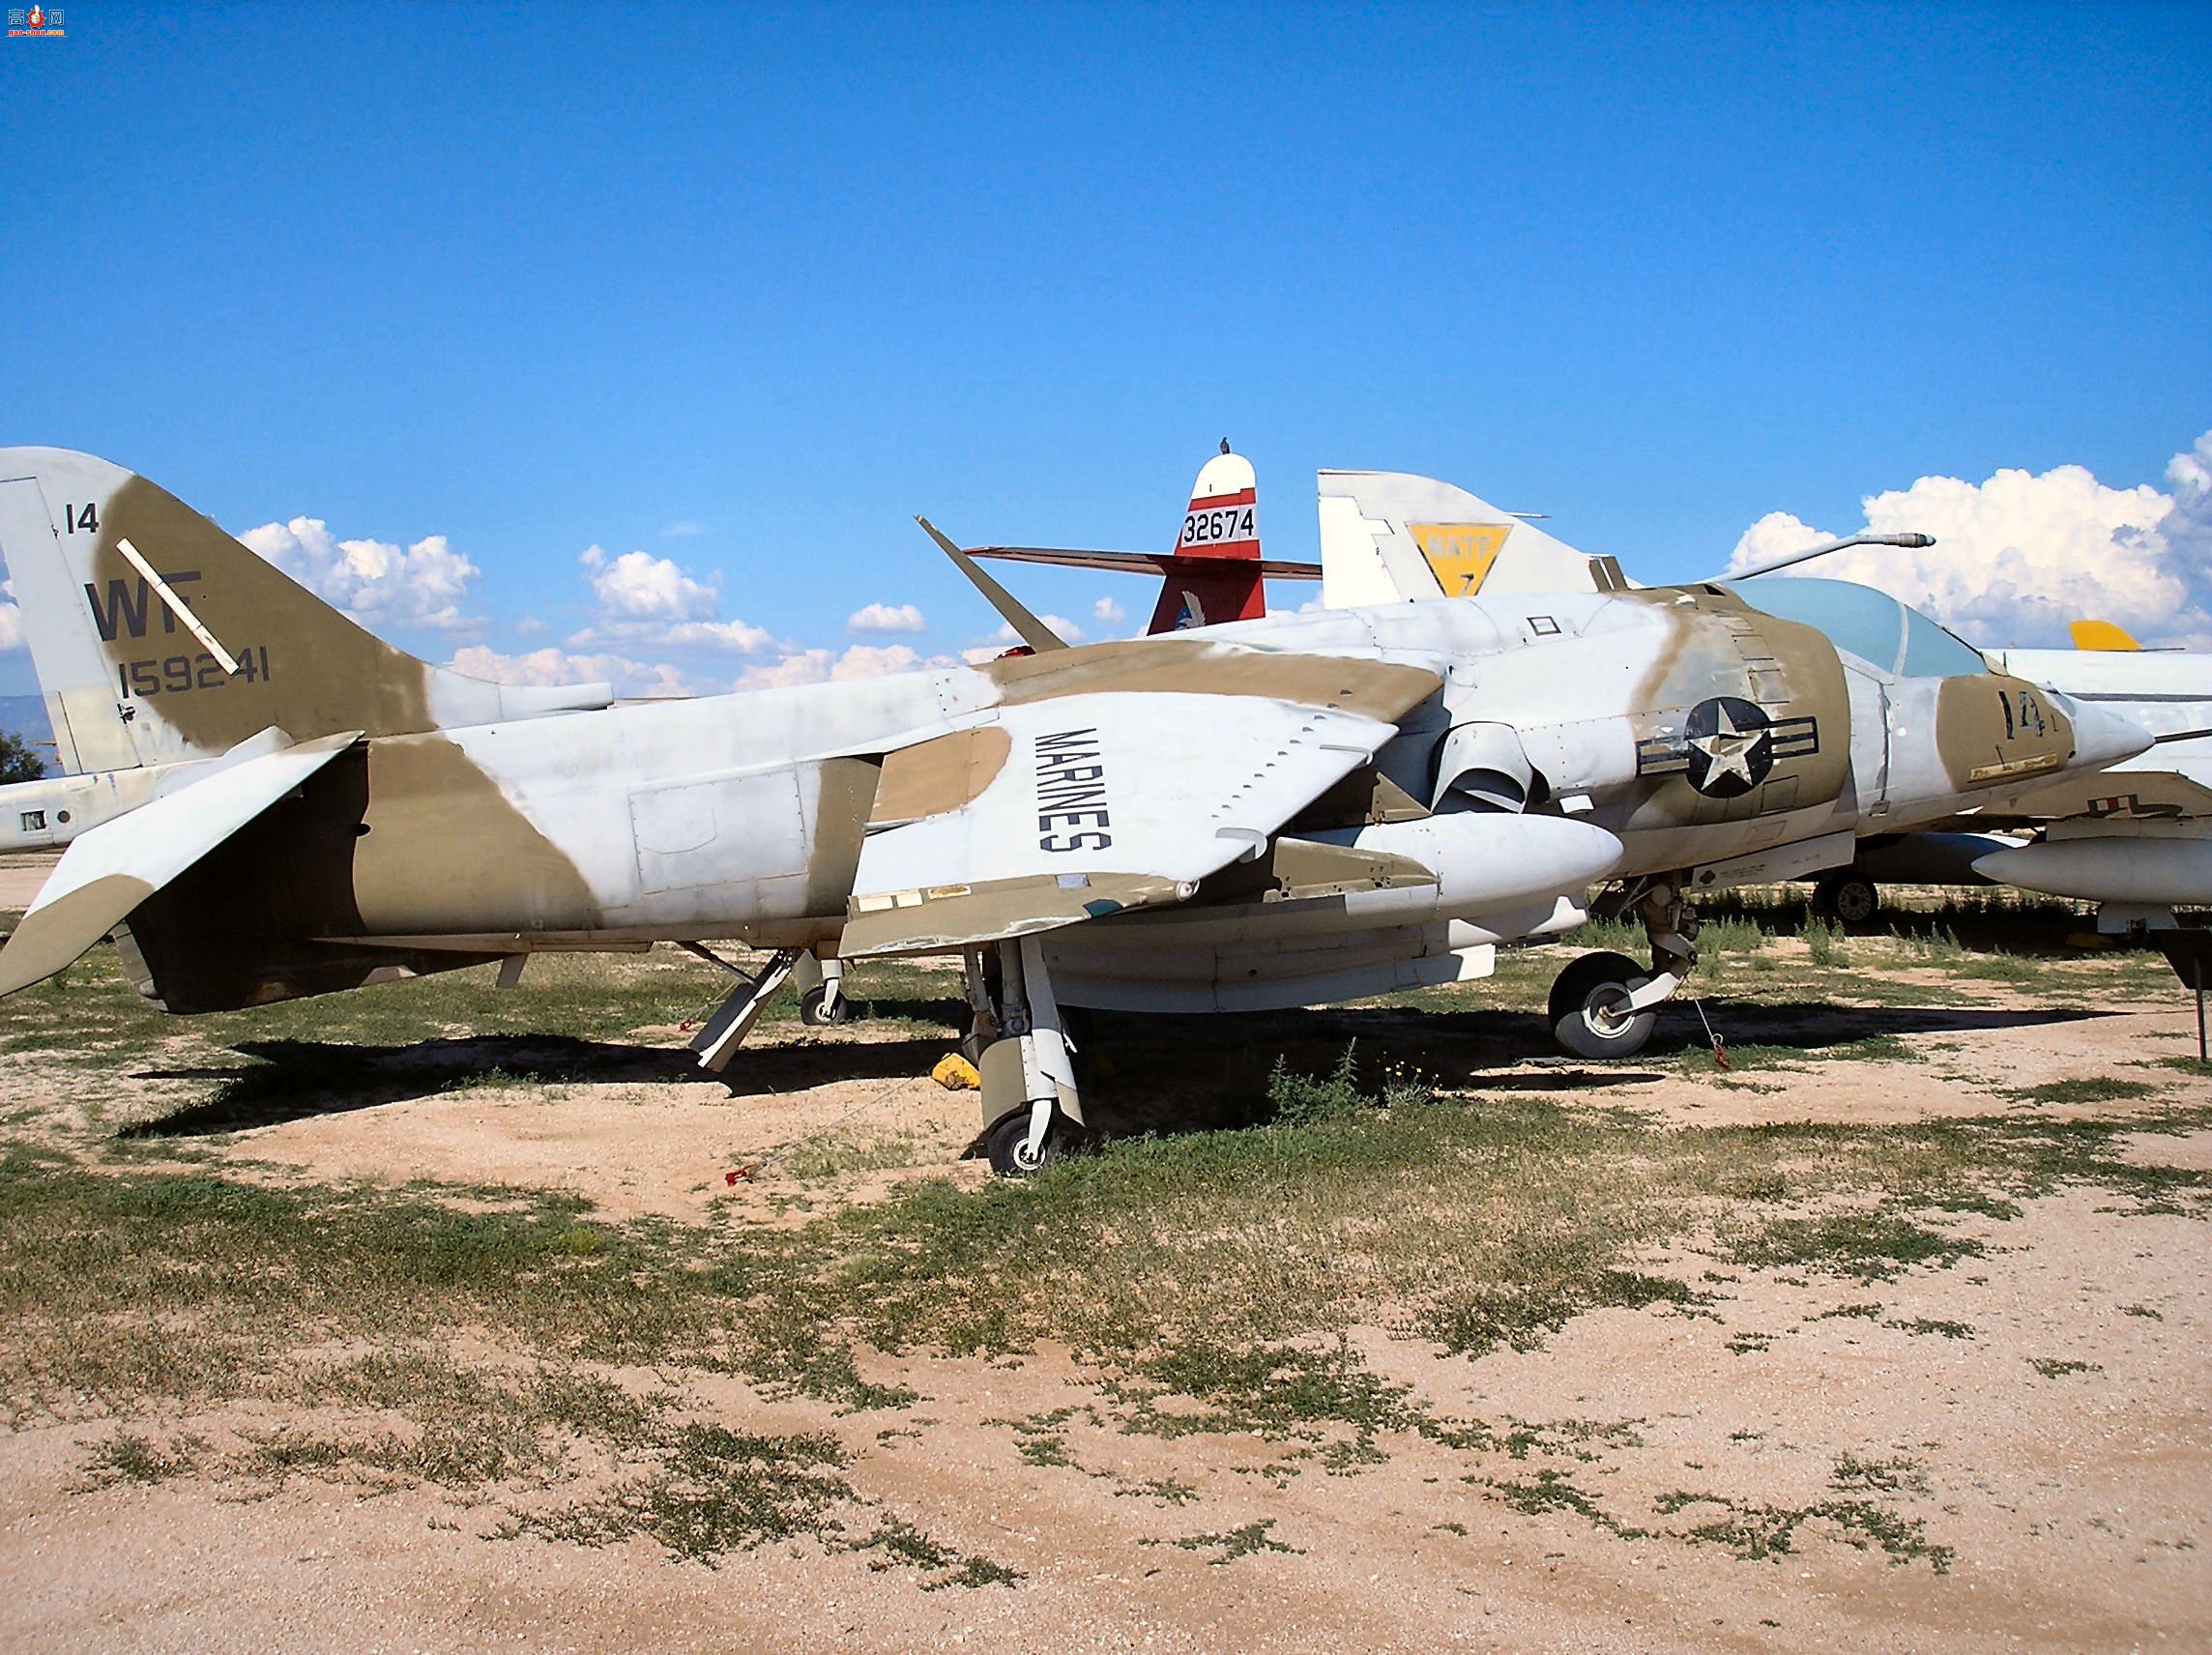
(1006, 1145)
(815, 1015)
(1585, 1007)
(1849, 899)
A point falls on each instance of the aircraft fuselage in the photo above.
(1692, 727)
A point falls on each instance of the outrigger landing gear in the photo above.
(820, 981)
(718, 1040)
(816, 977)
(1030, 1102)
(1605, 1005)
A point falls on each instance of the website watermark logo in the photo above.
(37, 23)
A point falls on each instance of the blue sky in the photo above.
(537, 279)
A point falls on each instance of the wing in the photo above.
(1072, 806)
(110, 869)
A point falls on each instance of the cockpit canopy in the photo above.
(1889, 636)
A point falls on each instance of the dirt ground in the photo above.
(2042, 1412)
(22, 874)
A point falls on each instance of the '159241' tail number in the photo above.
(175, 675)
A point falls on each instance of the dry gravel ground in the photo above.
(22, 874)
(1956, 1398)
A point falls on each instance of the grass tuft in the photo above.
(1246, 1542)
(128, 1458)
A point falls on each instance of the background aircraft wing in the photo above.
(1073, 806)
(2140, 832)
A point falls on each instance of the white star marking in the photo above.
(1728, 749)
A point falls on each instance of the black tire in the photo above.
(811, 1014)
(1850, 899)
(1007, 1139)
(1579, 1005)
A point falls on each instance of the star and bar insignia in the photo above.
(1727, 746)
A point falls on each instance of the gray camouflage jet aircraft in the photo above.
(265, 801)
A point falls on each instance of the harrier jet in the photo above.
(266, 802)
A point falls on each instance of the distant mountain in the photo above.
(25, 715)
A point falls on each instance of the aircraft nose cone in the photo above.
(2102, 737)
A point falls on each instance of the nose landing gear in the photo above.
(1590, 1008)
(1605, 1005)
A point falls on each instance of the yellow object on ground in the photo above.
(957, 1074)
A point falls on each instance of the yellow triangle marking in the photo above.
(1459, 554)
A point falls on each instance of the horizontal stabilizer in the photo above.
(112, 868)
(1026, 626)
(1134, 562)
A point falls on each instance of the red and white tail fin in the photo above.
(1214, 573)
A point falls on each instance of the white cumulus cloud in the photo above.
(828, 666)
(2020, 555)
(640, 587)
(1108, 613)
(11, 618)
(886, 618)
(551, 666)
(654, 601)
(740, 637)
(374, 581)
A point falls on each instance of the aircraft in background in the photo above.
(1215, 575)
(2139, 840)
(1390, 536)
(271, 803)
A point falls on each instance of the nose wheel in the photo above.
(1605, 1005)
(1593, 1008)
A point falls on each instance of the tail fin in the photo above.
(2100, 635)
(1389, 536)
(1215, 575)
(159, 638)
